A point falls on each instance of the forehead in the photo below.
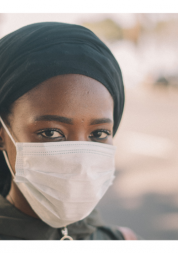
(67, 95)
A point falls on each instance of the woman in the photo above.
(62, 99)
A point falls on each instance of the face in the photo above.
(63, 108)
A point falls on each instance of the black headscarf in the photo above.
(37, 52)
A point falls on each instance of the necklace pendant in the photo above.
(66, 236)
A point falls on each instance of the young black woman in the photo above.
(62, 99)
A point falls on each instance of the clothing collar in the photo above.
(15, 223)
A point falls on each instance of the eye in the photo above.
(51, 133)
(100, 134)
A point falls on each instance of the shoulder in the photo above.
(128, 233)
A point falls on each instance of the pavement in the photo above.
(144, 195)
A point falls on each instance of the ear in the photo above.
(2, 142)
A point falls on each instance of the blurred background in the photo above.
(144, 195)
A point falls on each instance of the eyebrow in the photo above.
(69, 120)
(54, 118)
(100, 121)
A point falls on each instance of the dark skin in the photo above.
(63, 108)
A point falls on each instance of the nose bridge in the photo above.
(79, 133)
(78, 136)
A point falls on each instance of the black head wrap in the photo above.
(37, 52)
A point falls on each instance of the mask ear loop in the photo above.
(4, 152)
(8, 163)
(7, 131)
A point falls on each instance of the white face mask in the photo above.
(63, 181)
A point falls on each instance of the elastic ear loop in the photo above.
(7, 131)
(4, 152)
(8, 163)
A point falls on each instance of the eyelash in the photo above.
(50, 129)
(62, 135)
(103, 131)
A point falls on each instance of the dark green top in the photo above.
(15, 225)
